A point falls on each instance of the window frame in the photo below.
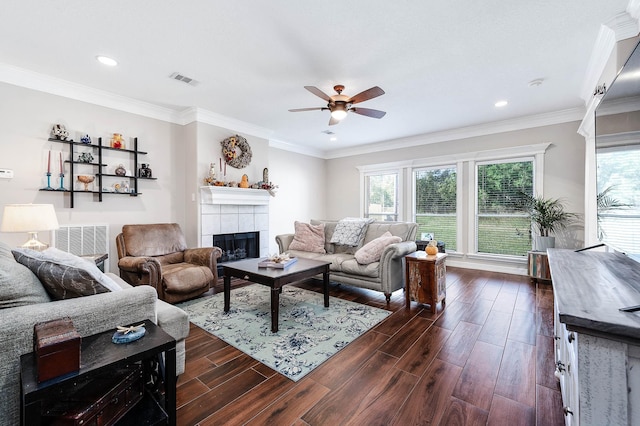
(364, 200)
(537, 160)
(459, 185)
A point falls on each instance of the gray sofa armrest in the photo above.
(90, 315)
(391, 265)
(284, 240)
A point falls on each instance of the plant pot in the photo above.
(543, 243)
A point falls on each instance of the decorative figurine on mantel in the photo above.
(210, 179)
(244, 183)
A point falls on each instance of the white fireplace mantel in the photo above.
(234, 196)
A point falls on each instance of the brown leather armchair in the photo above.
(157, 255)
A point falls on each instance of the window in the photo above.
(618, 196)
(501, 226)
(381, 196)
(435, 204)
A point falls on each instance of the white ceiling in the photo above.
(443, 64)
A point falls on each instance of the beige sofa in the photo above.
(386, 275)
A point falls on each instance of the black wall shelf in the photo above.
(72, 165)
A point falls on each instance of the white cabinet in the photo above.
(597, 346)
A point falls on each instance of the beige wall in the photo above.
(309, 187)
(178, 155)
(563, 173)
(301, 194)
(26, 117)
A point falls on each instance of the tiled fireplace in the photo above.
(226, 211)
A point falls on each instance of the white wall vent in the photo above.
(82, 240)
(184, 79)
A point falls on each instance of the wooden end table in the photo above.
(426, 278)
(97, 356)
(275, 278)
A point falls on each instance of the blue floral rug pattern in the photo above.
(308, 333)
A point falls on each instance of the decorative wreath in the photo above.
(230, 147)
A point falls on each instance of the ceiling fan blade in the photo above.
(373, 113)
(333, 121)
(374, 92)
(319, 93)
(307, 109)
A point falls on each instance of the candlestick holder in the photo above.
(61, 182)
(48, 187)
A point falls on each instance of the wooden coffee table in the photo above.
(274, 278)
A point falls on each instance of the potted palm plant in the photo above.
(547, 216)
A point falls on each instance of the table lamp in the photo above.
(29, 218)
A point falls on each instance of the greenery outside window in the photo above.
(435, 204)
(502, 226)
(381, 196)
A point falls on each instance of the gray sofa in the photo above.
(90, 315)
(386, 276)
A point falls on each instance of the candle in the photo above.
(49, 163)
(220, 163)
(61, 169)
(225, 169)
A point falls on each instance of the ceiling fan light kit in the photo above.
(339, 105)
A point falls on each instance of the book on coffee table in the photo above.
(266, 263)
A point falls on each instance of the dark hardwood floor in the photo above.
(487, 358)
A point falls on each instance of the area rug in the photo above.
(308, 333)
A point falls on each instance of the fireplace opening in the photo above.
(237, 246)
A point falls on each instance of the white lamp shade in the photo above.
(29, 218)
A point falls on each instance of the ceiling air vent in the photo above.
(184, 79)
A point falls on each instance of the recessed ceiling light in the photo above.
(333, 139)
(501, 104)
(105, 60)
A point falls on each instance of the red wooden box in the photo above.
(57, 348)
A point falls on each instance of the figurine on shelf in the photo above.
(244, 183)
(86, 139)
(120, 170)
(145, 171)
(59, 132)
(85, 157)
(117, 141)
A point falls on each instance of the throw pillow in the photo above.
(65, 275)
(350, 231)
(308, 237)
(372, 251)
(19, 286)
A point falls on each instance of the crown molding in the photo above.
(604, 45)
(622, 26)
(200, 115)
(633, 8)
(300, 149)
(521, 123)
(56, 86)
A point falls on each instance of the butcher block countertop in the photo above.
(589, 289)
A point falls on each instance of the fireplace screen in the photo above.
(237, 246)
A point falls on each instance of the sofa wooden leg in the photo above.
(388, 296)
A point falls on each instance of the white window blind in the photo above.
(502, 226)
(435, 204)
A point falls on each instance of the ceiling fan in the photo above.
(340, 104)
